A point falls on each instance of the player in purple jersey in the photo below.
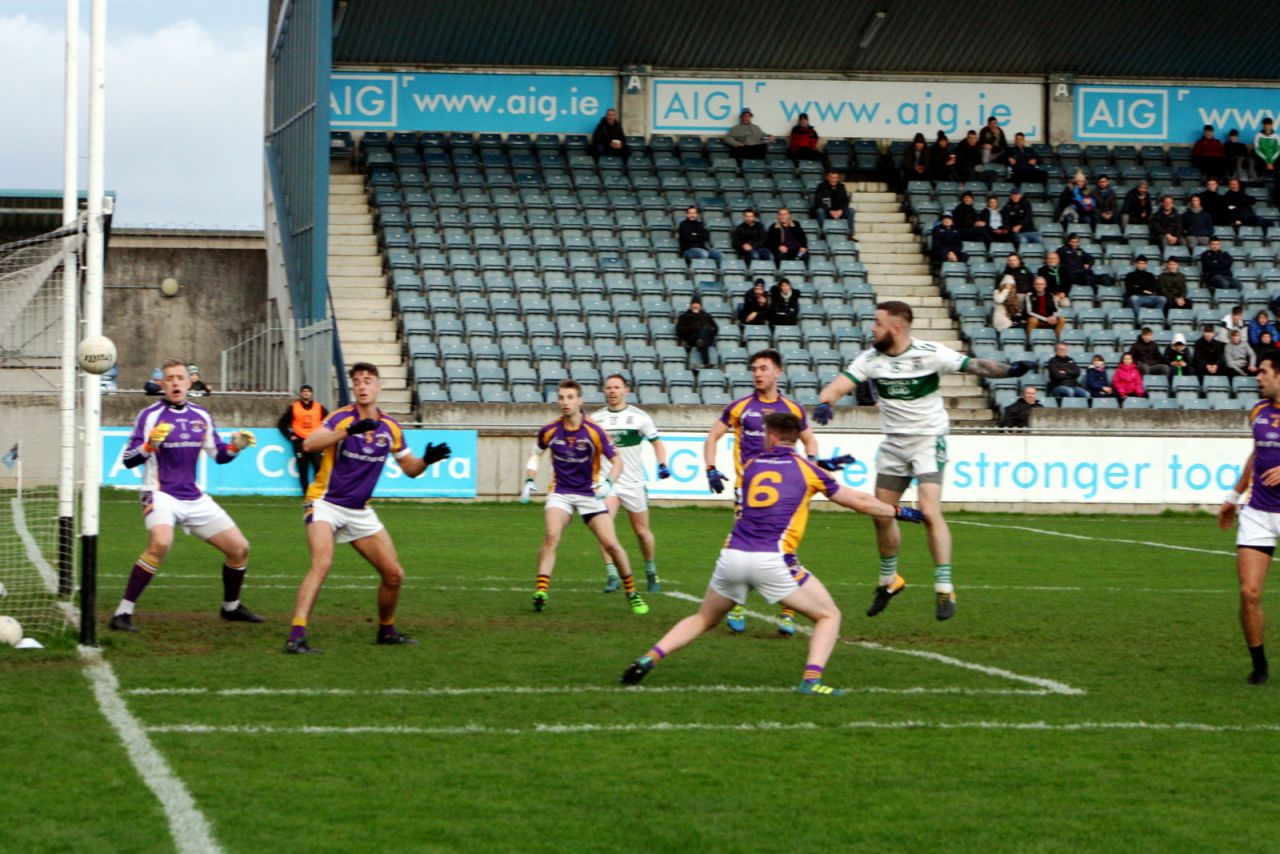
(577, 447)
(168, 439)
(354, 443)
(761, 552)
(1259, 523)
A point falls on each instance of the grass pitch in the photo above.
(1089, 695)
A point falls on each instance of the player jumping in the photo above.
(1259, 519)
(167, 439)
(761, 552)
(354, 442)
(629, 427)
(905, 372)
(577, 445)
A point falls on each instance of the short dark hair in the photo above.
(748, 210)
(1208, 127)
(897, 308)
(768, 353)
(568, 383)
(363, 368)
(1272, 356)
(784, 425)
(618, 377)
(305, 387)
(1146, 330)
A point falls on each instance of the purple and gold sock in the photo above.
(298, 632)
(139, 577)
(657, 653)
(232, 580)
(386, 630)
(812, 673)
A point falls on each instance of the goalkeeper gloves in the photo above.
(822, 413)
(435, 453)
(156, 437)
(364, 425)
(1020, 367)
(603, 489)
(663, 471)
(835, 463)
(715, 480)
(242, 439)
(908, 514)
(527, 491)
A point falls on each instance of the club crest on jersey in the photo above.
(197, 427)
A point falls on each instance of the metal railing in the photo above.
(277, 358)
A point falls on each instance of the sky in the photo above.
(184, 107)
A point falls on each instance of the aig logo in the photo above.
(1122, 112)
(683, 105)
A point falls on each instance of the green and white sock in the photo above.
(942, 578)
(611, 571)
(650, 567)
(888, 569)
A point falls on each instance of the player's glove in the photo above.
(603, 489)
(242, 439)
(364, 425)
(908, 514)
(156, 437)
(822, 413)
(663, 471)
(715, 480)
(1020, 367)
(435, 453)
(835, 463)
(527, 491)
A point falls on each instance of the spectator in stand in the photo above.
(748, 238)
(1266, 343)
(1166, 224)
(992, 141)
(1095, 378)
(1266, 147)
(758, 288)
(1024, 163)
(1020, 219)
(1207, 355)
(996, 227)
(969, 158)
(1238, 357)
(300, 420)
(1137, 207)
(1172, 285)
(784, 304)
(695, 240)
(608, 138)
(198, 386)
(803, 144)
(1147, 356)
(1105, 202)
(831, 199)
(1215, 267)
(1273, 304)
(1017, 415)
(1022, 277)
(915, 160)
(1239, 158)
(756, 310)
(697, 330)
(1197, 224)
(1209, 155)
(1040, 309)
(745, 139)
(786, 239)
(1141, 288)
(945, 243)
(1076, 202)
(1006, 312)
(1064, 374)
(152, 387)
(1077, 263)
(1211, 198)
(1235, 320)
(1238, 205)
(1127, 379)
(1178, 357)
(1260, 325)
(1051, 271)
(969, 221)
(942, 160)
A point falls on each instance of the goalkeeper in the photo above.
(167, 441)
(577, 446)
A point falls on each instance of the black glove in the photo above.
(364, 425)
(436, 453)
(835, 463)
(1017, 369)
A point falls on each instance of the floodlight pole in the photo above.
(93, 322)
(70, 292)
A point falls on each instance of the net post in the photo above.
(70, 297)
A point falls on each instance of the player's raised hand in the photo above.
(1020, 367)
(1226, 515)
(836, 463)
(435, 453)
(364, 425)
(664, 471)
(242, 439)
(715, 480)
(908, 514)
(822, 413)
(527, 491)
(603, 489)
(158, 434)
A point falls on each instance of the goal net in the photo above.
(36, 543)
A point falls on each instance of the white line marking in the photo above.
(563, 689)
(42, 566)
(1095, 539)
(187, 824)
(1049, 684)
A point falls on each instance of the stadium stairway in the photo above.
(366, 323)
(898, 269)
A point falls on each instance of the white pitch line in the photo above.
(758, 726)
(187, 824)
(1094, 539)
(47, 573)
(564, 689)
(1048, 684)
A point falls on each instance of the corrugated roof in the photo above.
(1156, 39)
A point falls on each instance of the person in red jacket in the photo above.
(804, 140)
(1126, 380)
(1209, 155)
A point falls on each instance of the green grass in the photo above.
(1148, 634)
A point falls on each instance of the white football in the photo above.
(96, 355)
(10, 631)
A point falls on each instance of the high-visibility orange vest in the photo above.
(305, 421)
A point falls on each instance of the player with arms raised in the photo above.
(354, 442)
(629, 427)
(905, 373)
(1259, 523)
(577, 446)
(761, 552)
(167, 440)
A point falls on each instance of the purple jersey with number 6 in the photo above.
(776, 488)
(1265, 419)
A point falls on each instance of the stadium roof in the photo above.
(1147, 39)
(27, 213)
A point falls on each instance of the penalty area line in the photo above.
(563, 689)
(1068, 536)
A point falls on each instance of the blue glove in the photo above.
(715, 480)
(909, 514)
(822, 413)
(663, 471)
(836, 463)
(1017, 369)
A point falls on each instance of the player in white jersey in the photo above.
(905, 373)
(629, 428)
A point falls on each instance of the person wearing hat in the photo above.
(152, 387)
(748, 238)
(803, 144)
(946, 243)
(1178, 357)
(697, 330)
(915, 160)
(745, 139)
(298, 422)
(198, 386)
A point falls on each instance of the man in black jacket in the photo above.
(695, 240)
(1141, 288)
(1238, 205)
(1137, 206)
(1024, 163)
(1017, 415)
(1064, 374)
(1212, 201)
(969, 221)
(1076, 263)
(946, 243)
(608, 138)
(1215, 267)
(1020, 219)
(831, 199)
(697, 330)
(785, 304)
(748, 238)
(1146, 354)
(786, 239)
(1207, 355)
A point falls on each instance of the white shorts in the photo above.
(633, 497)
(911, 456)
(587, 505)
(1257, 528)
(200, 516)
(765, 572)
(348, 524)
